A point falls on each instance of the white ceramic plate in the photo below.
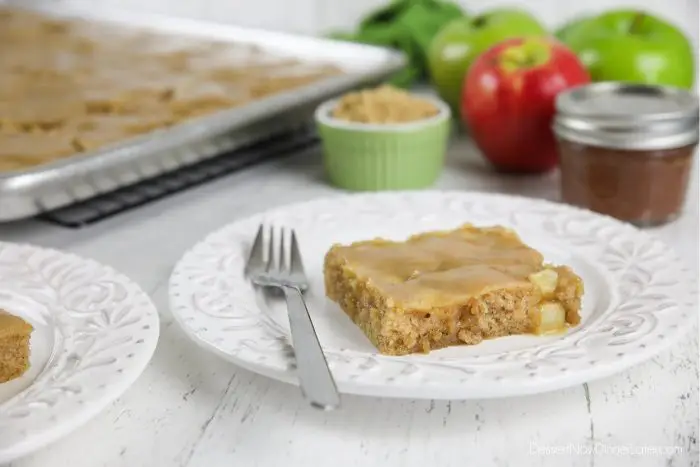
(638, 297)
(94, 333)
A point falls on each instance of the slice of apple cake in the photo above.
(445, 288)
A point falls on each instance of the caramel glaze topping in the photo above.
(444, 268)
(72, 86)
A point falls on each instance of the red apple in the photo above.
(508, 101)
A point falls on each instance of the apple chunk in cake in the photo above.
(445, 288)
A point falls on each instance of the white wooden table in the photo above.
(193, 409)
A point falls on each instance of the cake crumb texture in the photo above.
(14, 346)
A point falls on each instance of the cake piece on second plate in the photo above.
(14, 346)
(445, 288)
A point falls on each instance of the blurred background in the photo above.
(652, 41)
(321, 16)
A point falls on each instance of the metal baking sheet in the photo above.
(51, 186)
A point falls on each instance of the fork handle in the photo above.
(315, 378)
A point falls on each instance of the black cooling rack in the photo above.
(133, 196)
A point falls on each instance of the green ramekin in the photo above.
(376, 157)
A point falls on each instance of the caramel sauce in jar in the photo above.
(627, 151)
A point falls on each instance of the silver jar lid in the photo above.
(627, 116)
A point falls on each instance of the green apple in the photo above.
(632, 46)
(460, 41)
(570, 28)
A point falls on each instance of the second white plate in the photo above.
(638, 297)
(94, 333)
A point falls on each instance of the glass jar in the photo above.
(627, 150)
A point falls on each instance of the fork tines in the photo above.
(274, 249)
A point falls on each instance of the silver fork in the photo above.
(315, 378)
